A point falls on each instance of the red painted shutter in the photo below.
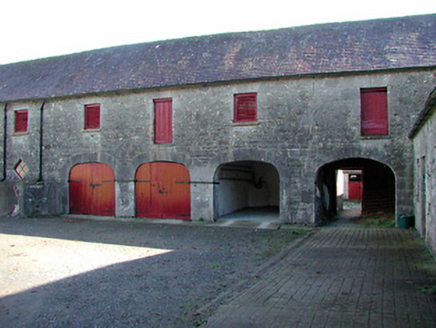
(374, 112)
(245, 107)
(21, 117)
(92, 116)
(163, 120)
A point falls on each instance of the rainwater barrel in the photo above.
(406, 221)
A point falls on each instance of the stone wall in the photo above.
(424, 146)
(303, 123)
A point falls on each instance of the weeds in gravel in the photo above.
(278, 241)
(430, 290)
(386, 220)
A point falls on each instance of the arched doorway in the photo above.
(162, 190)
(375, 180)
(92, 189)
(246, 185)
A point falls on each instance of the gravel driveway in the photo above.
(100, 273)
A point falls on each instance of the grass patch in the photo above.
(386, 220)
(430, 290)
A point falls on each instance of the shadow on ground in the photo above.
(74, 272)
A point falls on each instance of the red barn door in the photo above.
(92, 189)
(163, 191)
(355, 187)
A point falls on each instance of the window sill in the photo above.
(91, 130)
(254, 123)
(375, 137)
(19, 134)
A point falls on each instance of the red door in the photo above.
(163, 191)
(355, 187)
(92, 189)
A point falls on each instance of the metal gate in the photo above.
(163, 191)
(92, 189)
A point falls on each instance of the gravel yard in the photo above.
(77, 272)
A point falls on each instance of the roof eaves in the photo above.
(429, 109)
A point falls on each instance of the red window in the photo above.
(21, 117)
(163, 120)
(245, 107)
(92, 116)
(374, 112)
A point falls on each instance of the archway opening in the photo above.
(358, 185)
(247, 189)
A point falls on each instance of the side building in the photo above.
(423, 135)
(198, 128)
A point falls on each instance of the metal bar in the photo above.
(95, 184)
(248, 170)
(197, 182)
(236, 179)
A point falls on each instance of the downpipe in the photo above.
(41, 142)
(5, 141)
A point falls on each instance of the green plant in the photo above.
(430, 290)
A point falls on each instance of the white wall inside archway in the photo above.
(245, 184)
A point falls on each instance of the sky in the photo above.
(32, 29)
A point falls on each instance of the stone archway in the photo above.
(378, 187)
(246, 185)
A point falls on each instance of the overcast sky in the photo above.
(41, 28)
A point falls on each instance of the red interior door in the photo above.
(355, 187)
(92, 189)
(163, 191)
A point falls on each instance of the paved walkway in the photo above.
(344, 275)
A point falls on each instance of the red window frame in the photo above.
(92, 117)
(21, 121)
(374, 112)
(163, 120)
(245, 107)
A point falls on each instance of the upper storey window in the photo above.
(21, 118)
(245, 107)
(92, 117)
(163, 121)
(374, 112)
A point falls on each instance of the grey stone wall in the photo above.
(303, 124)
(424, 145)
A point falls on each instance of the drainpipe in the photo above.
(5, 141)
(41, 141)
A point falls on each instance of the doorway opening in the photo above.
(247, 189)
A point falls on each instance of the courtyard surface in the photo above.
(77, 272)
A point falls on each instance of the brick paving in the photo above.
(344, 275)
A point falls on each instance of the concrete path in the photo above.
(344, 275)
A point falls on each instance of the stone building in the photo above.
(423, 135)
(201, 127)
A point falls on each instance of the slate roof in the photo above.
(327, 48)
